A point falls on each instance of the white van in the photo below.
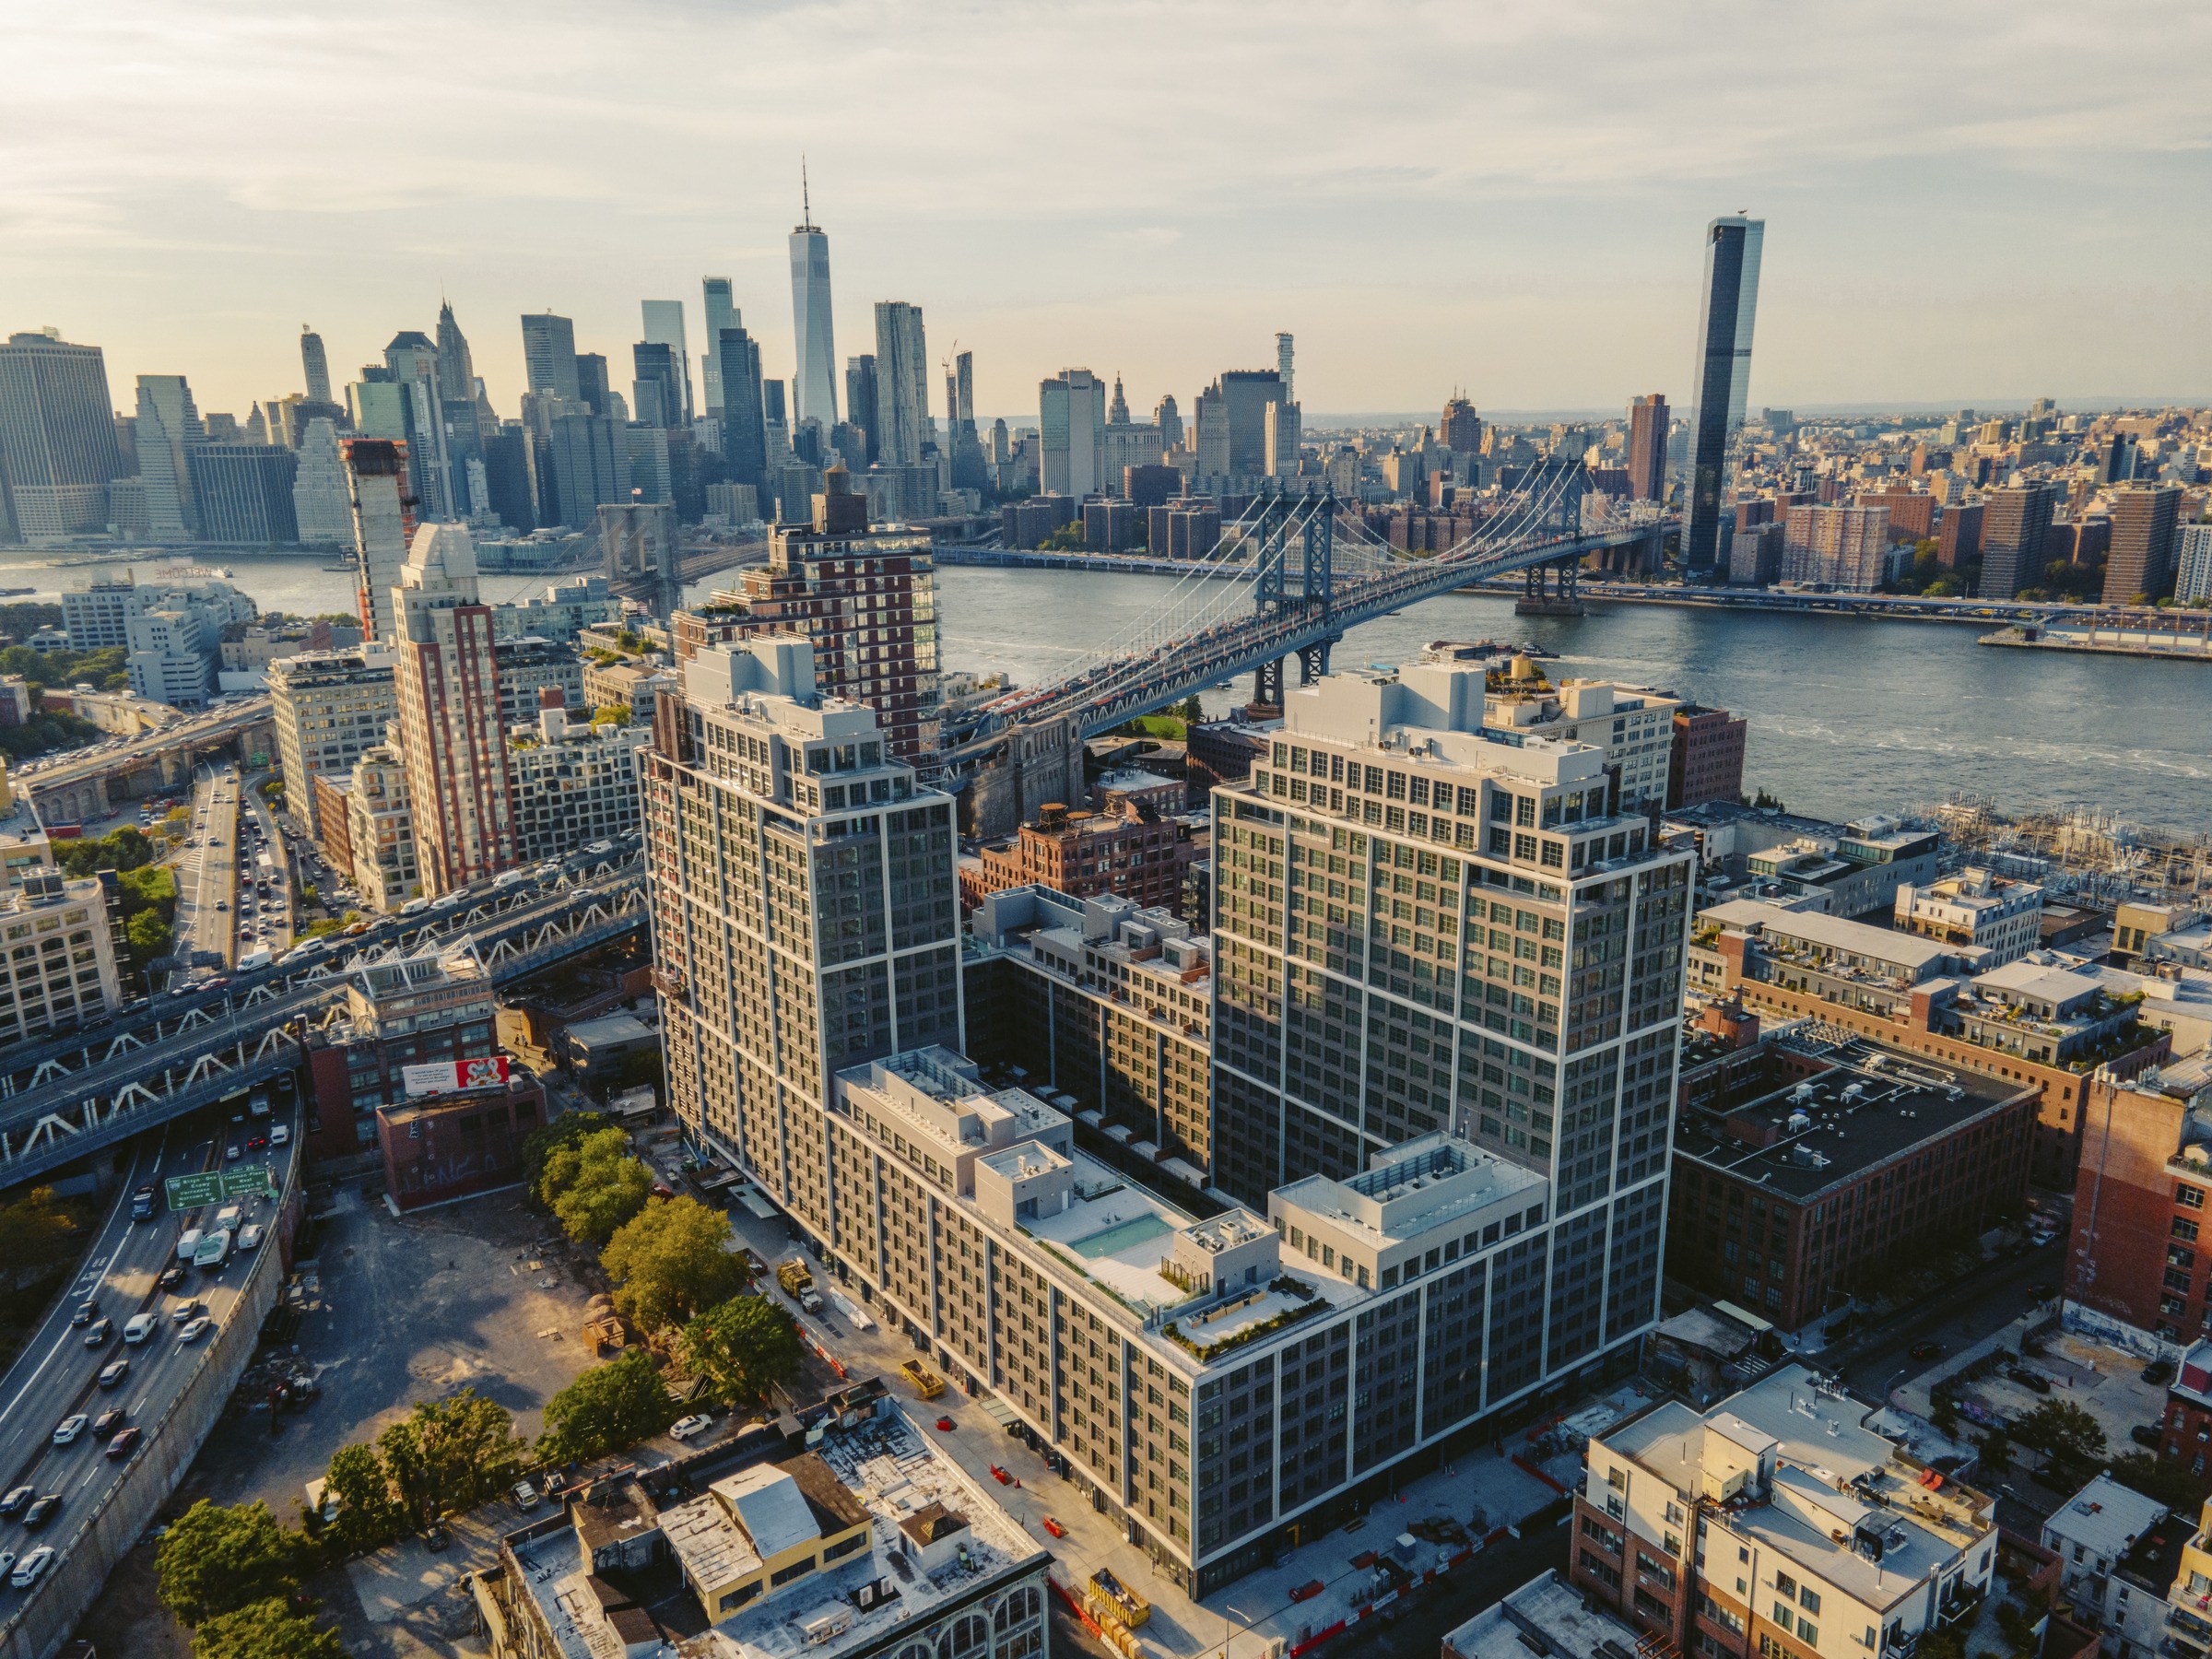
(188, 1242)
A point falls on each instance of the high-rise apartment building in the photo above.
(572, 784)
(2016, 523)
(2145, 518)
(861, 407)
(1461, 427)
(1285, 356)
(329, 707)
(663, 326)
(452, 735)
(2192, 564)
(867, 600)
(721, 312)
(1720, 376)
(1844, 548)
(69, 977)
(314, 364)
(1647, 448)
(378, 831)
(1425, 923)
(383, 526)
(58, 451)
(549, 355)
(814, 387)
(902, 384)
(1707, 760)
(322, 507)
(1071, 420)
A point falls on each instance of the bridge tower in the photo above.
(1300, 532)
(1562, 516)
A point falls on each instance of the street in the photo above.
(207, 869)
(1960, 1314)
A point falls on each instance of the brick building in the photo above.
(439, 1147)
(1707, 760)
(1222, 751)
(1958, 534)
(416, 1011)
(1133, 854)
(2140, 1255)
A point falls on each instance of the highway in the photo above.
(55, 1375)
(206, 870)
(226, 721)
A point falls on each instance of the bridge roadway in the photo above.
(136, 1074)
(1980, 612)
(214, 725)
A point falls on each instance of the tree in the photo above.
(2063, 1430)
(450, 1453)
(670, 1261)
(2167, 1483)
(217, 1558)
(612, 714)
(269, 1629)
(743, 1348)
(371, 1513)
(610, 1406)
(594, 1187)
(569, 1129)
(1996, 1452)
(35, 1229)
(1188, 711)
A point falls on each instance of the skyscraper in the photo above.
(453, 739)
(321, 507)
(1071, 423)
(861, 406)
(720, 314)
(169, 425)
(1647, 448)
(744, 420)
(2146, 521)
(2014, 525)
(664, 326)
(814, 387)
(1242, 396)
(383, 523)
(1284, 354)
(549, 355)
(1461, 427)
(456, 368)
(1720, 376)
(657, 399)
(592, 383)
(315, 364)
(58, 451)
(902, 384)
(412, 360)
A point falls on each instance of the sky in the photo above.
(1966, 202)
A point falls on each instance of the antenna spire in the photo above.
(806, 198)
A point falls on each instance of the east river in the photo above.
(1847, 716)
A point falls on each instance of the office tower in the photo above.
(1281, 435)
(1283, 355)
(585, 463)
(378, 408)
(58, 451)
(1071, 423)
(2144, 519)
(902, 384)
(814, 387)
(2117, 464)
(1166, 416)
(321, 508)
(316, 365)
(744, 428)
(591, 385)
(1239, 401)
(169, 425)
(664, 326)
(1718, 377)
(1461, 428)
(658, 397)
(245, 493)
(771, 404)
(2014, 525)
(1398, 904)
(452, 735)
(456, 367)
(1647, 448)
(383, 524)
(811, 924)
(411, 359)
(721, 314)
(1209, 434)
(510, 484)
(329, 708)
(865, 599)
(861, 406)
(549, 355)
(1842, 546)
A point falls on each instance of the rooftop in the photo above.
(2104, 1517)
(1777, 922)
(1562, 1618)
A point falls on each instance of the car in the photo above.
(123, 1444)
(249, 1236)
(1308, 1591)
(108, 1421)
(195, 1329)
(98, 1331)
(185, 1308)
(2146, 1434)
(17, 1498)
(257, 1143)
(171, 1276)
(32, 1567)
(142, 1204)
(7, 1561)
(684, 1427)
(112, 1375)
(2033, 1381)
(436, 1537)
(281, 1135)
(1924, 1350)
(526, 1495)
(2159, 1372)
(86, 1311)
(139, 1326)
(69, 1428)
(41, 1511)
(1055, 1527)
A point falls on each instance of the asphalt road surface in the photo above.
(1955, 1317)
(207, 870)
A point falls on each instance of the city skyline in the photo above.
(1541, 237)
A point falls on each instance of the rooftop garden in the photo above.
(1305, 1301)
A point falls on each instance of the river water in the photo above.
(1847, 716)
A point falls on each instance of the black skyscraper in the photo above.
(1723, 372)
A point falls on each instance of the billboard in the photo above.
(449, 1076)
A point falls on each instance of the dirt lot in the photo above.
(399, 1309)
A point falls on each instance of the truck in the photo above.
(229, 1216)
(927, 1384)
(510, 878)
(798, 1283)
(188, 1242)
(213, 1252)
(254, 960)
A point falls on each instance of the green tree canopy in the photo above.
(217, 1558)
(743, 1348)
(610, 1406)
(2168, 1484)
(36, 1228)
(595, 1186)
(128, 847)
(569, 1129)
(670, 1261)
(371, 1515)
(2064, 1429)
(270, 1628)
(450, 1453)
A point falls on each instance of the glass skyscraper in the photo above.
(814, 387)
(1723, 371)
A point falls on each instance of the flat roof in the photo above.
(2104, 1518)
(1833, 932)
(1570, 1623)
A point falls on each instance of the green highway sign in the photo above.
(211, 1186)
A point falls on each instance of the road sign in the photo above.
(211, 1186)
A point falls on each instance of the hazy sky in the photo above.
(1963, 201)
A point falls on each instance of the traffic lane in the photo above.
(1955, 1317)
